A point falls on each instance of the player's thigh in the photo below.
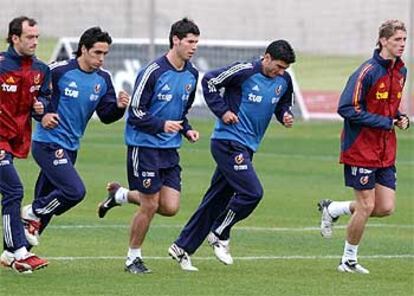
(384, 201)
(10, 183)
(56, 164)
(169, 201)
(235, 163)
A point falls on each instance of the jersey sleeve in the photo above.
(138, 113)
(214, 80)
(186, 125)
(352, 104)
(286, 101)
(107, 109)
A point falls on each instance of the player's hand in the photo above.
(173, 126)
(122, 100)
(402, 122)
(50, 120)
(38, 107)
(192, 136)
(229, 118)
(288, 120)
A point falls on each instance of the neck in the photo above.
(386, 55)
(177, 62)
(84, 67)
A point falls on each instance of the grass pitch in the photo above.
(277, 250)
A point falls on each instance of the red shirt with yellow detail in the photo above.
(22, 81)
(368, 104)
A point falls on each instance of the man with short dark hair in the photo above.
(80, 87)
(157, 120)
(24, 87)
(253, 92)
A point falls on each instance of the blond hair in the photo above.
(388, 29)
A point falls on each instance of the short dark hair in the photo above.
(281, 50)
(181, 28)
(90, 37)
(16, 27)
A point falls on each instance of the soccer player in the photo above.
(24, 84)
(164, 92)
(253, 92)
(79, 88)
(369, 105)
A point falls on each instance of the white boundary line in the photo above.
(245, 258)
(243, 228)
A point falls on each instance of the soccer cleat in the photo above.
(326, 219)
(6, 259)
(31, 225)
(110, 201)
(351, 266)
(221, 248)
(182, 257)
(28, 264)
(137, 267)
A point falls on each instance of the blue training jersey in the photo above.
(251, 95)
(76, 95)
(161, 93)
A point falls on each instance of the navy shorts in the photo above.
(365, 178)
(151, 168)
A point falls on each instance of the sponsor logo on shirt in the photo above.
(34, 88)
(165, 97)
(254, 98)
(71, 92)
(381, 95)
(9, 87)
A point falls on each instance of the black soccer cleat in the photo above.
(110, 201)
(137, 267)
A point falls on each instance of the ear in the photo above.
(15, 38)
(83, 49)
(383, 41)
(175, 39)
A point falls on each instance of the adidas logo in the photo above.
(256, 88)
(10, 80)
(73, 84)
(166, 88)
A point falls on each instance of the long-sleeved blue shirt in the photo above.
(76, 95)
(161, 93)
(251, 95)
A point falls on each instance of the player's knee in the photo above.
(150, 206)
(76, 193)
(366, 207)
(168, 211)
(383, 212)
(257, 194)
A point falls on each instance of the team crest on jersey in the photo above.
(97, 88)
(364, 180)
(238, 159)
(59, 153)
(188, 87)
(146, 183)
(2, 154)
(36, 79)
(278, 90)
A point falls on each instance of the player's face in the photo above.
(94, 57)
(186, 47)
(273, 68)
(394, 46)
(26, 43)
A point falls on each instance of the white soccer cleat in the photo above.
(352, 266)
(326, 219)
(31, 225)
(182, 257)
(221, 248)
(6, 259)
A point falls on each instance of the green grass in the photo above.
(297, 167)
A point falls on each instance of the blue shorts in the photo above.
(150, 168)
(365, 178)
